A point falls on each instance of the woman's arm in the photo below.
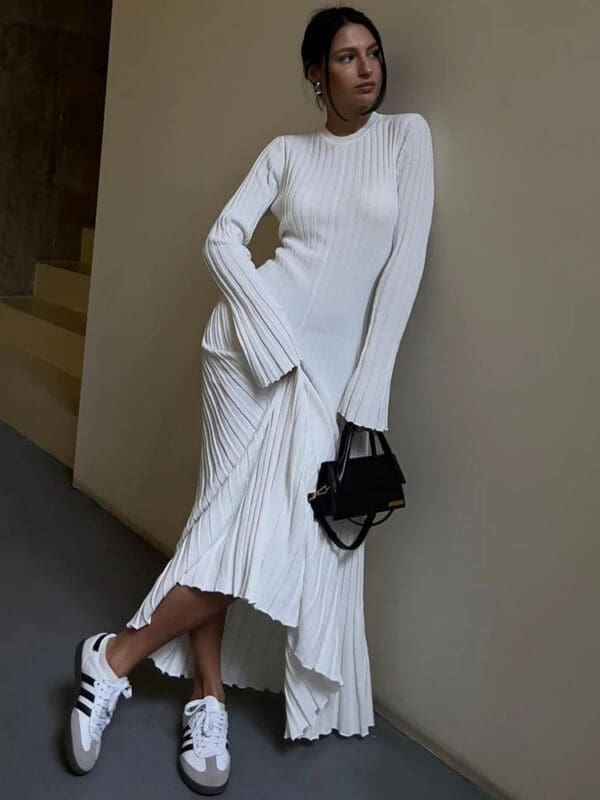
(262, 326)
(366, 397)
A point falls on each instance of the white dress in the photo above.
(291, 350)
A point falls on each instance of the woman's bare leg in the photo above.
(181, 610)
(206, 645)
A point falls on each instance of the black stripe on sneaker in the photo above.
(98, 641)
(87, 695)
(87, 679)
(187, 738)
(186, 748)
(83, 708)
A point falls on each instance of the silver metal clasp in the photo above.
(321, 490)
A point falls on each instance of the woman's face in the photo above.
(354, 59)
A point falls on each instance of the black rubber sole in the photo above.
(198, 787)
(73, 765)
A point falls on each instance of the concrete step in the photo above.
(46, 331)
(60, 285)
(87, 249)
(71, 265)
(39, 401)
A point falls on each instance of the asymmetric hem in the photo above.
(292, 350)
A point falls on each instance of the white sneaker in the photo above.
(97, 690)
(204, 758)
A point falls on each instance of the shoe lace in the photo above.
(106, 697)
(208, 728)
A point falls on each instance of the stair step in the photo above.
(87, 249)
(47, 331)
(63, 263)
(39, 401)
(61, 285)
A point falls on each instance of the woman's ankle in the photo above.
(118, 655)
(201, 690)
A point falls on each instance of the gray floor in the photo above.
(70, 569)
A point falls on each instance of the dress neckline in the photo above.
(326, 134)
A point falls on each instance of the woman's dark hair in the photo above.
(316, 45)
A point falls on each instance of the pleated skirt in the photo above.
(297, 625)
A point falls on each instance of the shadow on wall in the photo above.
(52, 98)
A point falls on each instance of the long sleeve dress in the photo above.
(292, 349)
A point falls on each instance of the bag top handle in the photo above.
(346, 440)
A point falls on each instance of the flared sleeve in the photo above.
(365, 400)
(261, 323)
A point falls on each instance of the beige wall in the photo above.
(482, 595)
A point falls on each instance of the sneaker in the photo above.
(204, 756)
(96, 694)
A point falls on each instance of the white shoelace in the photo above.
(106, 697)
(208, 729)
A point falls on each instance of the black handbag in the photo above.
(348, 487)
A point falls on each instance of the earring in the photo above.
(318, 87)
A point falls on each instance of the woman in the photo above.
(255, 593)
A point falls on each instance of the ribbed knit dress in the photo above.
(293, 348)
